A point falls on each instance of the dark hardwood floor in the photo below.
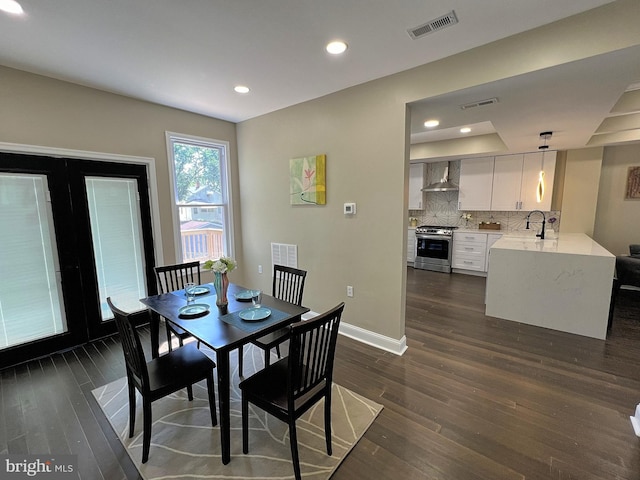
(472, 398)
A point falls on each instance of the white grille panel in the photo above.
(434, 25)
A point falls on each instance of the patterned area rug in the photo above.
(184, 445)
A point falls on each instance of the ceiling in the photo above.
(190, 55)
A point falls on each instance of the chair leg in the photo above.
(169, 339)
(212, 399)
(146, 431)
(278, 350)
(190, 392)
(267, 357)
(132, 407)
(245, 424)
(240, 360)
(293, 437)
(327, 420)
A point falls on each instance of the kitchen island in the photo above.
(561, 283)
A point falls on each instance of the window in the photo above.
(200, 178)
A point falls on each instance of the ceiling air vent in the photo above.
(434, 25)
(480, 103)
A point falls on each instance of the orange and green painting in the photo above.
(308, 181)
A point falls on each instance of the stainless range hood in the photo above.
(444, 185)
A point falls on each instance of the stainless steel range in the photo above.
(434, 247)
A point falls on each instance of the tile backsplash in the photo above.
(442, 207)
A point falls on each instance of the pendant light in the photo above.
(540, 190)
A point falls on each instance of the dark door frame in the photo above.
(74, 245)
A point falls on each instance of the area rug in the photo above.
(185, 445)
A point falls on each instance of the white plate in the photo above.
(193, 310)
(255, 314)
(244, 296)
(201, 290)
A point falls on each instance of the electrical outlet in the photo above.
(259, 268)
(349, 291)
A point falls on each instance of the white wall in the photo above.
(617, 218)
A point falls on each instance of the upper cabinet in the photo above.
(523, 181)
(507, 182)
(476, 183)
(416, 184)
(532, 183)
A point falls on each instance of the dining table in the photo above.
(222, 329)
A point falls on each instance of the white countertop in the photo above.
(565, 243)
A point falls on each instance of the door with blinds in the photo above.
(72, 233)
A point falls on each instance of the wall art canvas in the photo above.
(307, 180)
(633, 182)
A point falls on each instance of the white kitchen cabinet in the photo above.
(476, 183)
(491, 239)
(507, 182)
(416, 184)
(412, 244)
(469, 251)
(516, 179)
(532, 165)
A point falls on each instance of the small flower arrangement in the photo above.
(222, 265)
(466, 216)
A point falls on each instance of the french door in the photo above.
(72, 233)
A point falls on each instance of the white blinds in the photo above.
(117, 242)
(30, 292)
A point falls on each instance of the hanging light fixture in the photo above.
(540, 190)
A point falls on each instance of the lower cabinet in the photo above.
(411, 246)
(471, 251)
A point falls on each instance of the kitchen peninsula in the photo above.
(562, 283)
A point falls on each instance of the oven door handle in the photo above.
(433, 237)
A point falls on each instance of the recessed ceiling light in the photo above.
(241, 89)
(431, 123)
(11, 6)
(465, 130)
(336, 47)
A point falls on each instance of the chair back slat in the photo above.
(288, 283)
(132, 348)
(174, 277)
(311, 352)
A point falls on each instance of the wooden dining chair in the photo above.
(292, 385)
(171, 278)
(178, 369)
(287, 285)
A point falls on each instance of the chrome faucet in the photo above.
(544, 220)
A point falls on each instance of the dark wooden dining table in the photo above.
(222, 331)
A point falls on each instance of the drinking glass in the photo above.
(256, 298)
(190, 291)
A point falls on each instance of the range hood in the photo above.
(444, 185)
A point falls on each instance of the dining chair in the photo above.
(160, 377)
(171, 278)
(292, 385)
(287, 285)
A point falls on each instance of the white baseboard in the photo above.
(397, 347)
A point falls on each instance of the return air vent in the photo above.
(481, 103)
(434, 25)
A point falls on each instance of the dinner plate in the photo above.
(201, 290)
(255, 314)
(244, 296)
(193, 310)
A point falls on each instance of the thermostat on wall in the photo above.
(349, 208)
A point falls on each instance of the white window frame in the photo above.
(225, 174)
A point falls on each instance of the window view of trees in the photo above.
(201, 198)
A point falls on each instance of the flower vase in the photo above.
(221, 284)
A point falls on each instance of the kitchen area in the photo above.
(499, 217)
